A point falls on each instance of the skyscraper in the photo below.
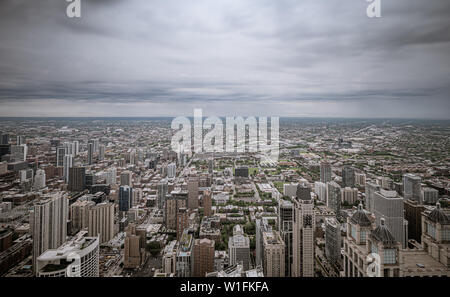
(389, 205)
(162, 193)
(203, 257)
(126, 178)
(371, 188)
(171, 170)
(239, 248)
(207, 203)
(60, 153)
(412, 187)
(77, 179)
(90, 154)
(286, 228)
(182, 221)
(39, 180)
(262, 225)
(101, 221)
(101, 152)
(68, 163)
(348, 176)
(79, 215)
(19, 152)
(48, 223)
(274, 254)
(192, 185)
(325, 172)
(334, 197)
(303, 238)
(332, 240)
(125, 198)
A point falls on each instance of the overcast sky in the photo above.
(306, 58)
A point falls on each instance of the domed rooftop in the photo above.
(437, 215)
(382, 233)
(360, 217)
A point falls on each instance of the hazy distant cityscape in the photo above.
(346, 198)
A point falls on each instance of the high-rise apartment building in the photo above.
(325, 172)
(333, 240)
(90, 153)
(371, 188)
(79, 215)
(162, 193)
(48, 223)
(348, 176)
(274, 254)
(412, 187)
(334, 197)
(203, 257)
(207, 203)
(261, 226)
(77, 179)
(286, 229)
(303, 238)
(349, 195)
(192, 185)
(57, 262)
(389, 205)
(101, 221)
(126, 178)
(239, 248)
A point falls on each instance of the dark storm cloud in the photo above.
(289, 57)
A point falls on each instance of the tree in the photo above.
(154, 248)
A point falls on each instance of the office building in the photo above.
(413, 214)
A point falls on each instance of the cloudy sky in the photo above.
(306, 58)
